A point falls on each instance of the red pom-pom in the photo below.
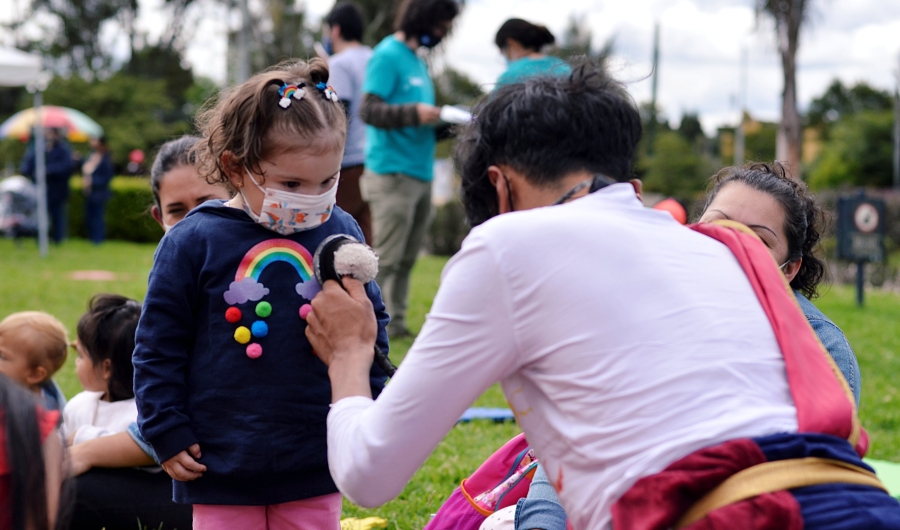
(304, 311)
(233, 315)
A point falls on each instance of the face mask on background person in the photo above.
(287, 213)
(430, 40)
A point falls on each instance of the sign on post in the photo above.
(860, 233)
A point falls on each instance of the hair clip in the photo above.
(287, 92)
(327, 91)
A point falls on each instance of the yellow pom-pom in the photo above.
(242, 335)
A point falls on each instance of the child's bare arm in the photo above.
(184, 465)
(117, 450)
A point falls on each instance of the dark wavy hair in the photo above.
(803, 217)
(547, 128)
(419, 17)
(531, 36)
(107, 331)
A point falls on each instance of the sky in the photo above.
(701, 45)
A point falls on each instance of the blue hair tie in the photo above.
(327, 91)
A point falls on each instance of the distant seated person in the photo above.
(522, 44)
(32, 348)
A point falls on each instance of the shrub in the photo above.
(127, 212)
(859, 153)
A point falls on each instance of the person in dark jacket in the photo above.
(98, 173)
(58, 162)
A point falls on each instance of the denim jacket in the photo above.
(834, 341)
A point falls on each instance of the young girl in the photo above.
(105, 343)
(230, 393)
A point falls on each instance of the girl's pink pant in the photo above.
(317, 513)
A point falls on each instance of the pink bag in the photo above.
(499, 482)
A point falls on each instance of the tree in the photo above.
(690, 128)
(453, 87)
(789, 16)
(839, 102)
(130, 109)
(676, 169)
(858, 153)
(578, 41)
(379, 17)
(72, 41)
(283, 34)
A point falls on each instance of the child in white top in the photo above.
(105, 344)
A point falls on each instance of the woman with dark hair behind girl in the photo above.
(177, 187)
(521, 43)
(31, 462)
(786, 217)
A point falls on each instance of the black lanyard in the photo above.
(597, 183)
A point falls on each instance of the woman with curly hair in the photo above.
(786, 217)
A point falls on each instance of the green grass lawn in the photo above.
(29, 282)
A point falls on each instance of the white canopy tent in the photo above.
(18, 68)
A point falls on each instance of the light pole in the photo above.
(37, 87)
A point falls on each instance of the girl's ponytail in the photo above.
(318, 71)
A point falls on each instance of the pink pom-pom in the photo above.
(304, 311)
(254, 350)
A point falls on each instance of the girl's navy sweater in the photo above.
(223, 289)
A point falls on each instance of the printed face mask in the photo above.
(286, 212)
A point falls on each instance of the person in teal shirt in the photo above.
(400, 115)
(521, 43)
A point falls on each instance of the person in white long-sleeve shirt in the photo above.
(623, 341)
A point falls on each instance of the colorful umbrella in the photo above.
(77, 125)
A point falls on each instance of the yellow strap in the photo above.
(777, 476)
